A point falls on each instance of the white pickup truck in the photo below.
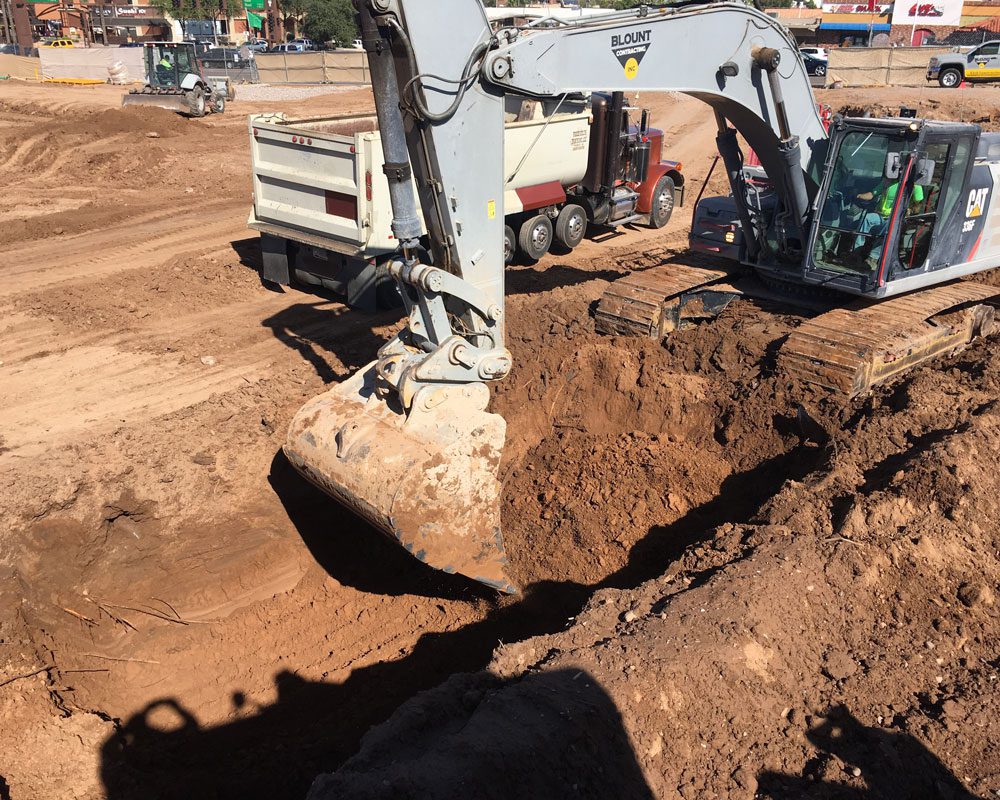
(321, 200)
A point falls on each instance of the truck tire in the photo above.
(950, 78)
(386, 289)
(219, 106)
(661, 205)
(509, 244)
(535, 237)
(571, 226)
(196, 101)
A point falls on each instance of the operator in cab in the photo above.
(165, 67)
(879, 203)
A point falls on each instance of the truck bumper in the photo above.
(932, 74)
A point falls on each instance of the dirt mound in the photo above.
(978, 105)
(841, 641)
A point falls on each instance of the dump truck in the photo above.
(321, 195)
(176, 81)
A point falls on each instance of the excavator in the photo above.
(885, 215)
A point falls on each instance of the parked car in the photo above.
(815, 52)
(257, 45)
(814, 66)
(57, 43)
(979, 64)
(130, 44)
(307, 44)
(14, 50)
(289, 47)
(357, 44)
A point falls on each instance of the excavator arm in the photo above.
(407, 442)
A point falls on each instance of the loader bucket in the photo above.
(428, 479)
(171, 102)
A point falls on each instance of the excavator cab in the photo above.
(889, 204)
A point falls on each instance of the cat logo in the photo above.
(977, 202)
(629, 48)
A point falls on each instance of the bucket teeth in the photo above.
(428, 478)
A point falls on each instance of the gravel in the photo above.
(266, 91)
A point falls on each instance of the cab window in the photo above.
(988, 49)
(940, 194)
(854, 217)
(920, 214)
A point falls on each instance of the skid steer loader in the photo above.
(175, 80)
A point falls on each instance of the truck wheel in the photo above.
(571, 226)
(950, 78)
(662, 203)
(386, 289)
(535, 237)
(196, 101)
(509, 244)
(219, 106)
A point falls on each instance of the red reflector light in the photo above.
(256, 133)
(352, 149)
(368, 185)
(309, 141)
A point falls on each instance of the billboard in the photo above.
(927, 13)
(878, 9)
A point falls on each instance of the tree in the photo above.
(330, 20)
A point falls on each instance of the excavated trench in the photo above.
(621, 454)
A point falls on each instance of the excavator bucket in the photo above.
(428, 478)
(171, 102)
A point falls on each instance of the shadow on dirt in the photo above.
(528, 280)
(893, 765)
(545, 735)
(275, 751)
(740, 497)
(313, 329)
(353, 552)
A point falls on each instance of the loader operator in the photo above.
(165, 68)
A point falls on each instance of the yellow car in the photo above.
(57, 43)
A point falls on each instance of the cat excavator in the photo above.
(886, 215)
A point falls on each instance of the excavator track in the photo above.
(853, 348)
(657, 301)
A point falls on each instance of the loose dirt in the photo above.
(733, 583)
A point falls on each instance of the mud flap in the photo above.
(427, 478)
(274, 259)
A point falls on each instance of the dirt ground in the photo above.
(734, 585)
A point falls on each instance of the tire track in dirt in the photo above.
(82, 258)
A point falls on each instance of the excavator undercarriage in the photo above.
(849, 348)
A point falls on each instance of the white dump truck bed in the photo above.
(323, 177)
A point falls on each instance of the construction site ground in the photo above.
(734, 585)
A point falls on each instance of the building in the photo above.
(103, 22)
